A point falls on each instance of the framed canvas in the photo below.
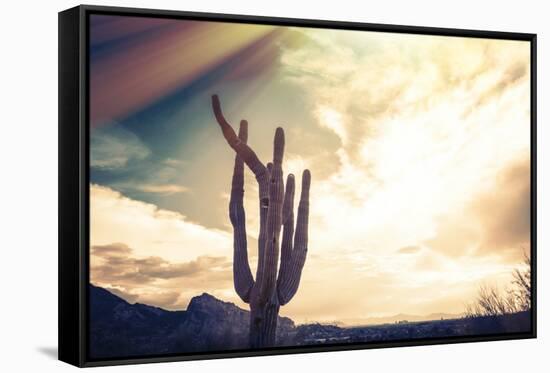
(236, 186)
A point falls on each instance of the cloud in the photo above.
(116, 262)
(165, 189)
(495, 222)
(430, 260)
(425, 126)
(158, 298)
(409, 250)
(147, 254)
(369, 77)
(113, 250)
(149, 230)
(341, 287)
(151, 279)
(112, 147)
(505, 212)
(174, 162)
(512, 75)
(409, 161)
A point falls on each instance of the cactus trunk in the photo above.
(271, 289)
(263, 323)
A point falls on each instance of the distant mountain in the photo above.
(398, 318)
(120, 329)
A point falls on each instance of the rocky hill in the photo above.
(119, 329)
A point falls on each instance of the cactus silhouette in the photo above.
(271, 289)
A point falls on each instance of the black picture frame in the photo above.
(74, 163)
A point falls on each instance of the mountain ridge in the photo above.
(347, 322)
(119, 329)
(379, 320)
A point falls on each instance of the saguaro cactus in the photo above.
(271, 289)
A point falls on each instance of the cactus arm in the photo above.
(274, 219)
(243, 150)
(290, 280)
(242, 276)
(256, 166)
(288, 229)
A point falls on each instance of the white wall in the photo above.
(28, 194)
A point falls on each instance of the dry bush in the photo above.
(491, 301)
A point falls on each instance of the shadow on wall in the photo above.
(50, 352)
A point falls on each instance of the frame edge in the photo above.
(72, 142)
(69, 206)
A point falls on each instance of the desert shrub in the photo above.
(491, 301)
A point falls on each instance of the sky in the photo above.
(418, 146)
